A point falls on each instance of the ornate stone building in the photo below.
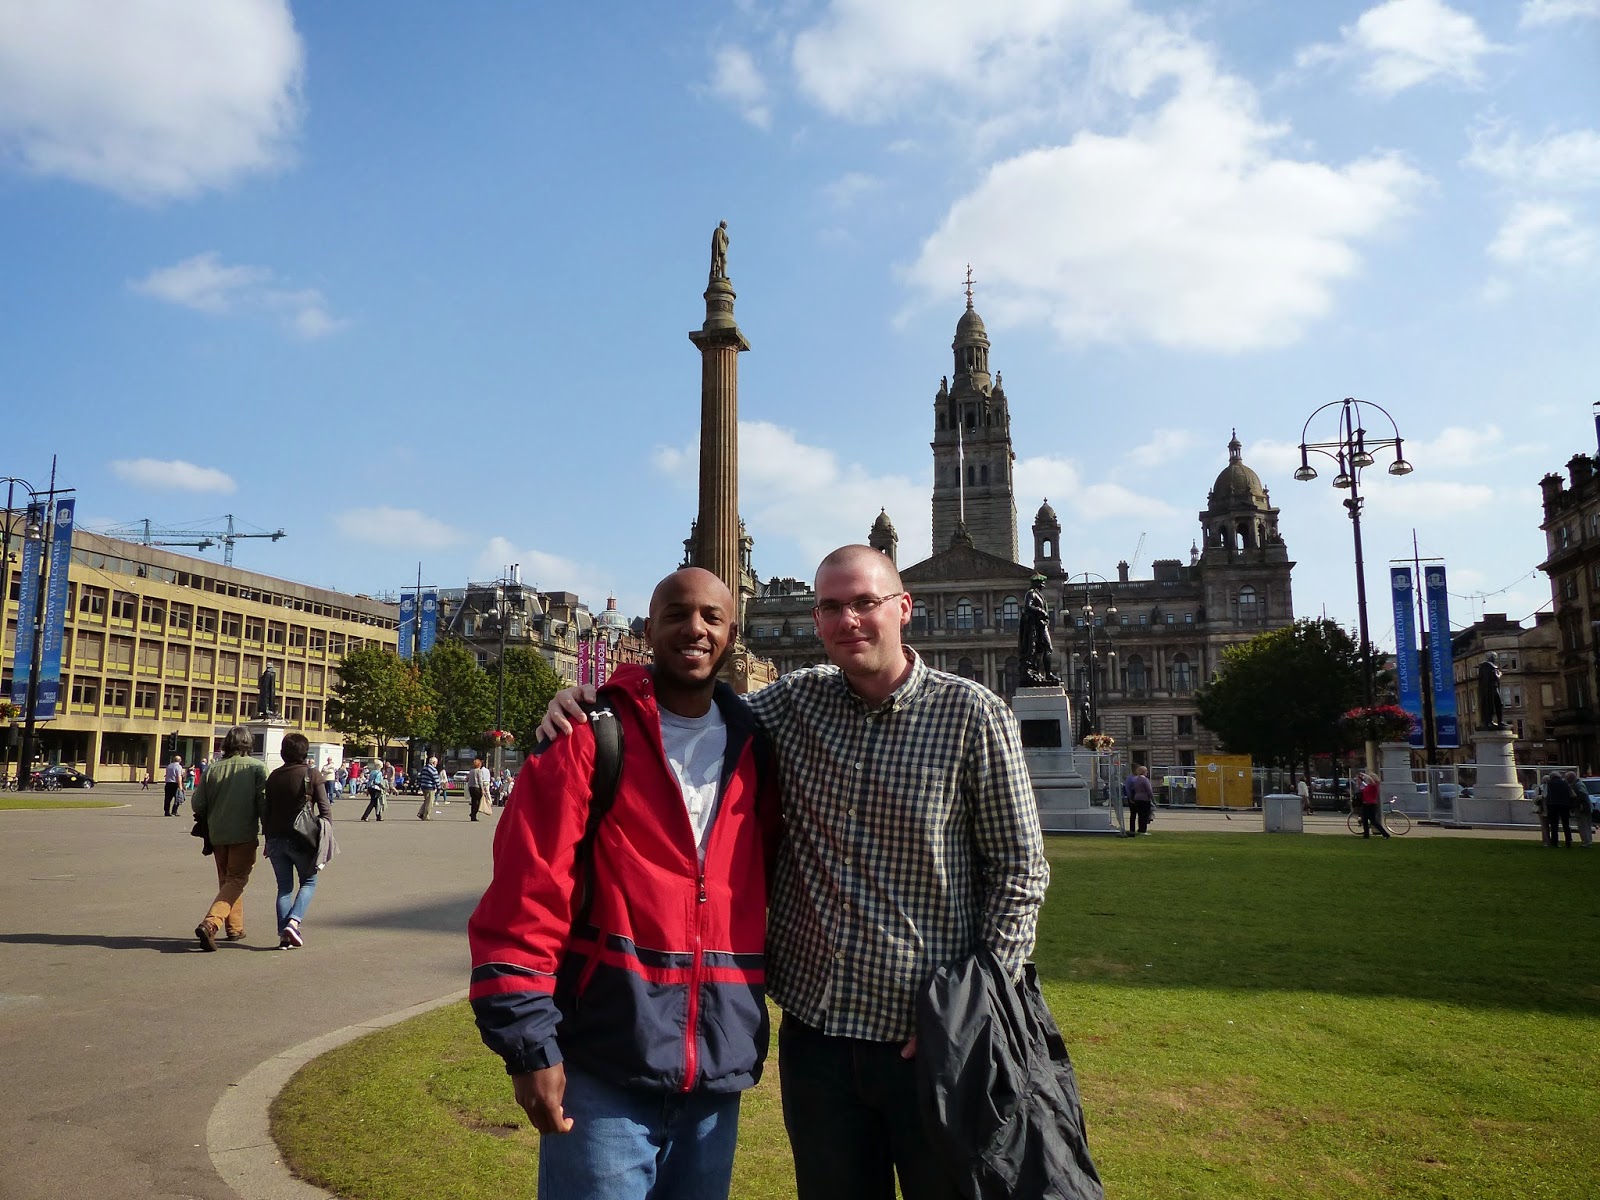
(1168, 631)
(1572, 542)
(1530, 683)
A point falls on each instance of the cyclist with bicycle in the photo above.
(1371, 809)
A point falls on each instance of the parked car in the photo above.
(61, 777)
(1591, 784)
(457, 782)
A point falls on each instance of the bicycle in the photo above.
(1395, 819)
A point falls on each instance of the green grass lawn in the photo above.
(1249, 1016)
(23, 800)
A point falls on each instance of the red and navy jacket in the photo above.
(663, 987)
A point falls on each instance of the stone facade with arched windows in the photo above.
(1169, 631)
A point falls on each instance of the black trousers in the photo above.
(1372, 819)
(476, 795)
(850, 1107)
(170, 802)
(1560, 817)
(1140, 822)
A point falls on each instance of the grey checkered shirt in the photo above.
(911, 836)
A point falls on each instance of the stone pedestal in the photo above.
(1062, 793)
(1497, 797)
(1395, 785)
(268, 734)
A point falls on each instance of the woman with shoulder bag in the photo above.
(293, 789)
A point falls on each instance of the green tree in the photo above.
(460, 693)
(1279, 696)
(530, 683)
(378, 697)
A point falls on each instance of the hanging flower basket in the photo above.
(1380, 723)
(1099, 742)
(8, 710)
(498, 737)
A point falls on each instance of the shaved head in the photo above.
(692, 626)
(691, 579)
(875, 560)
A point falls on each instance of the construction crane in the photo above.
(148, 535)
(1137, 551)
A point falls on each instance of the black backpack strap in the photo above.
(602, 795)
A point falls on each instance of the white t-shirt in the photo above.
(695, 746)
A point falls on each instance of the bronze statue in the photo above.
(267, 692)
(1034, 649)
(1491, 712)
(719, 251)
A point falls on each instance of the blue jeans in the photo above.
(850, 1108)
(287, 860)
(628, 1144)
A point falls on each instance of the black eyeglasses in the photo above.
(832, 610)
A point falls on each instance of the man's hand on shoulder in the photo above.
(566, 710)
(540, 1094)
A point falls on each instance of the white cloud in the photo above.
(150, 99)
(1405, 43)
(1547, 235)
(1426, 499)
(1457, 447)
(207, 285)
(1564, 161)
(737, 79)
(1538, 13)
(1186, 231)
(549, 572)
(1161, 445)
(844, 191)
(806, 495)
(1061, 481)
(383, 525)
(172, 474)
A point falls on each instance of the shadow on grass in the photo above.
(1485, 923)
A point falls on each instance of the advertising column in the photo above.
(1407, 674)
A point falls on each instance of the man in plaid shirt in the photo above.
(911, 837)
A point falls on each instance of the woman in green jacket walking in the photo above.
(229, 804)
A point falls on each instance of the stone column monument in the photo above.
(716, 545)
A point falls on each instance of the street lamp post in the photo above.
(41, 520)
(510, 598)
(1352, 450)
(1094, 638)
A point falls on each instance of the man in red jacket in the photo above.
(629, 999)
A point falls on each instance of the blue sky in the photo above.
(414, 282)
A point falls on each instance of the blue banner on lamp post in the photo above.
(55, 613)
(408, 623)
(27, 607)
(1440, 663)
(428, 624)
(1407, 674)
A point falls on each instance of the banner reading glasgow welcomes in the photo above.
(408, 623)
(1407, 676)
(27, 606)
(55, 614)
(1440, 664)
(429, 625)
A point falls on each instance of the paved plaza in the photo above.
(120, 1040)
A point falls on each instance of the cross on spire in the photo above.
(969, 285)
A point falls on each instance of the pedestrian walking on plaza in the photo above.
(1558, 809)
(376, 801)
(228, 805)
(289, 789)
(1371, 809)
(1141, 801)
(1303, 789)
(477, 785)
(637, 1090)
(172, 799)
(1582, 809)
(428, 778)
(1116, 798)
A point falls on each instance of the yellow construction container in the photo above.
(1223, 781)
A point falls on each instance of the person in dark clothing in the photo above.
(287, 790)
(1558, 809)
(375, 797)
(1371, 809)
(1141, 799)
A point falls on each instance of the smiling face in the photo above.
(865, 646)
(690, 630)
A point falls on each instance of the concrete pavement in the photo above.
(119, 1036)
(137, 1066)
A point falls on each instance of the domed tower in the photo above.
(1047, 542)
(972, 455)
(883, 537)
(1243, 558)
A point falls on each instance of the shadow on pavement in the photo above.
(162, 945)
(444, 916)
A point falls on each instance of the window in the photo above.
(1597, 575)
(1594, 524)
(1138, 727)
(336, 644)
(153, 612)
(228, 668)
(1185, 726)
(149, 658)
(230, 626)
(1569, 587)
(293, 709)
(319, 641)
(119, 655)
(314, 712)
(204, 664)
(122, 606)
(200, 704)
(1247, 604)
(295, 678)
(965, 614)
(964, 668)
(314, 679)
(1172, 618)
(1547, 695)
(297, 636)
(1186, 758)
(85, 692)
(87, 649)
(1010, 614)
(1188, 618)
(177, 660)
(205, 621)
(116, 696)
(180, 617)
(255, 629)
(1144, 618)
(277, 633)
(1137, 680)
(1182, 674)
(145, 697)
(919, 617)
(172, 701)
(1563, 537)
(92, 602)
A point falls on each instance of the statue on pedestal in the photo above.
(267, 693)
(1491, 711)
(719, 251)
(1034, 649)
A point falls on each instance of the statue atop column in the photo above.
(267, 692)
(719, 252)
(1491, 711)
(1034, 649)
